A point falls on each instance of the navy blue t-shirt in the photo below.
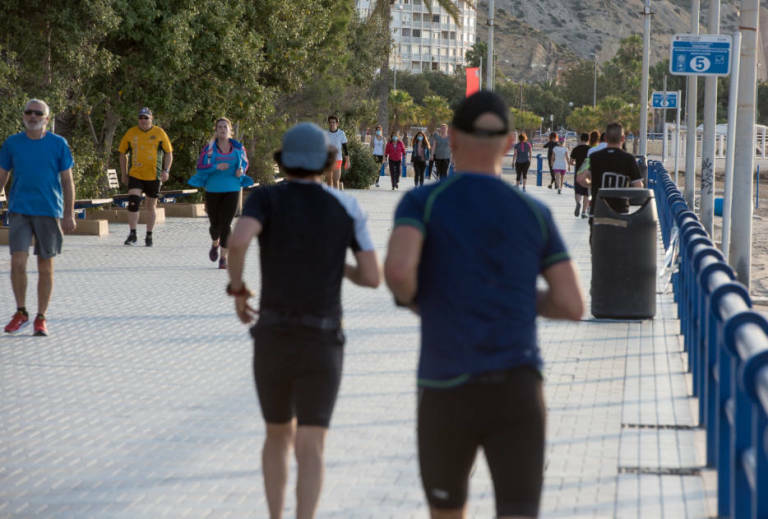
(485, 243)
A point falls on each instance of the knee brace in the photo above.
(133, 203)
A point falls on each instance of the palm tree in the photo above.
(401, 109)
(382, 12)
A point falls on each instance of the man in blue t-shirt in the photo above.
(42, 193)
(465, 255)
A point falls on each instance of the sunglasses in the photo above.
(143, 117)
(36, 112)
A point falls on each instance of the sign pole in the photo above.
(489, 71)
(644, 82)
(708, 141)
(677, 140)
(691, 98)
(665, 146)
(744, 152)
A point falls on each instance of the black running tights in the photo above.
(221, 209)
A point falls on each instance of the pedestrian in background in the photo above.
(441, 152)
(394, 153)
(419, 157)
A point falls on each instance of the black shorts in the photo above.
(151, 188)
(297, 372)
(580, 190)
(378, 159)
(505, 414)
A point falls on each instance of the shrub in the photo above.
(364, 169)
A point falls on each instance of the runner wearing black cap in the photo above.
(304, 230)
(465, 254)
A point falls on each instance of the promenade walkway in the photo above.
(141, 402)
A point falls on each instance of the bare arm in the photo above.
(563, 298)
(245, 230)
(402, 263)
(637, 183)
(367, 272)
(68, 187)
(584, 178)
(167, 161)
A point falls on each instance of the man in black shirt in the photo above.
(550, 146)
(578, 155)
(304, 229)
(610, 167)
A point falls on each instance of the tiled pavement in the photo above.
(141, 402)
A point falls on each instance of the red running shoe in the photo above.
(18, 321)
(41, 330)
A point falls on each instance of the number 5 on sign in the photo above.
(700, 55)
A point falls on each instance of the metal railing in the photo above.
(727, 348)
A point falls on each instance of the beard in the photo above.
(34, 126)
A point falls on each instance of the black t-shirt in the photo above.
(550, 146)
(579, 154)
(306, 231)
(612, 160)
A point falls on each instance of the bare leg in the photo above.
(19, 277)
(150, 204)
(440, 513)
(329, 178)
(310, 441)
(336, 178)
(223, 253)
(274, 463)
(44, 283)
(133, 218)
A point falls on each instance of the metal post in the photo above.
(489, 71)
(708, 142)
(733, 93)
(677, 138)
(594, 84)
(480, 75)
(744, 155)
(644, 82)
(691, 98)
(665, 146)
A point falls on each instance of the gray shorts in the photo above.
(45, 229)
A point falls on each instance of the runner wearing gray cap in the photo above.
(304, 229)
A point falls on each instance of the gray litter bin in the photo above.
(624, 254)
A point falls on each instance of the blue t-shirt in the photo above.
(36, 164)
(485, 243)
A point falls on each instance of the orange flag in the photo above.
(473, 80)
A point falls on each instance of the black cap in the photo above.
(474, 106)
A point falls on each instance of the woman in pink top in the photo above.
(394, 153)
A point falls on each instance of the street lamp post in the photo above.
(594, 84)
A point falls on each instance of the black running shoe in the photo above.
(148, 241)
(131, 239)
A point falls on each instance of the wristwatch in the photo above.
(244, 291)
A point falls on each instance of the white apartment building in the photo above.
(427, 41)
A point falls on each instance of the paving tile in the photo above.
(141, 402)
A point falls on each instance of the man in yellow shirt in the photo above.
(151, 155)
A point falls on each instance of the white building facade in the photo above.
(427, 41)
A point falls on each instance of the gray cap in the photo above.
(305, 146)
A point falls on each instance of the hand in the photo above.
(245, 312)
(346, 163)
(238, 172)
(164, 176)
(124, 178)
(68, 223)
(222, 166)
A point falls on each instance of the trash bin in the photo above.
(624, 254)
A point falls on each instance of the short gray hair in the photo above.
(40, 102)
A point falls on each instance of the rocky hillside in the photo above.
(538, 39)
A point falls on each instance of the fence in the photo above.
(727, 348)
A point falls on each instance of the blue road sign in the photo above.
(669, 99)
(700, 55)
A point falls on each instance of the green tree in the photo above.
(437, 111)
(584, 119)
(578, 84)
(401, 110)
(477, 54)
(622, 74)
(525, 121)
